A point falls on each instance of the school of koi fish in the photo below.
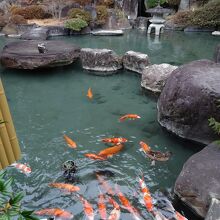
(109, 195)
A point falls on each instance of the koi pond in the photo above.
(46, 104)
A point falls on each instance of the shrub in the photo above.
(182, 17)
(76, 24)
(29, 12)
(17, 19)
(208, 15)
(80, 13)
(154, 3)
(102, 14)
(173, 2)
(83, 2)
(107, 3)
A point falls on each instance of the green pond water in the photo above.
(45, 104)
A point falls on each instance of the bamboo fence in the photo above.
(9, 147)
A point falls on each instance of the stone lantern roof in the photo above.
(158, 10)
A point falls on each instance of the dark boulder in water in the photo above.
(199, 179)
(189, 98)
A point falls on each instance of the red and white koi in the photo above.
(22, 167)
(129, 116)
(114, 140)
(102, 207)
(116, 212)
(127, 205)
(87, 208)
(148, 201)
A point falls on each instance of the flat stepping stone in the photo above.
(100, 60)
(25, 54)
(108, 33)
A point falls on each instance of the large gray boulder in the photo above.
(189, 98)
(39, 33)
(25, 54)
(154, 76)
(101, 60)
(135, 61)
(217, 54)
(199, 180)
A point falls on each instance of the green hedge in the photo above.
(80, 13)
(76, 24)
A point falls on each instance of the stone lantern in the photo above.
(157, 22)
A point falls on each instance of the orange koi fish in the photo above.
(116, 212)
(110, 150)
(95, 156)
(179, 216)
(102, 207)
(65, 186)
(87, 208)
(22, 167)
(69, 141)
(105, 185)
(145, 147)
(127, 205)
(129, 116)
(114, 140)
(89, 93)
(146, 193)
(55, 212)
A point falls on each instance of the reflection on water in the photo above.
(45, 104)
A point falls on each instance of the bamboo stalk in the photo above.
(9, 125)
(5, 140)
(3, 157)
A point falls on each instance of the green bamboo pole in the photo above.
(5, 140)
(3, 157)
(9, 125)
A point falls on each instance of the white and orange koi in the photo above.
(95, 156)
(179, 216)
(60, 213)
(129, 116)
(65, 186)
(148, 201)
(105, 185)
(69, 141)
(127, 205)
(114, 140)
(22, 167)
(87, 208)
(116, 212)
(145, 147)
(102, 207)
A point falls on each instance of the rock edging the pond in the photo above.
(189, 98)
(154, 76)
(25, 54)
(135, 61)
(199, 179)
(101, 60)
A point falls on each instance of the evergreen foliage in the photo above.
(10, 202)
(76, 24)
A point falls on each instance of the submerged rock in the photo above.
(199, 180)
(25, 54)
(189, 98)
(217, 54)
(154, 77)
(103, 60)
(135, 61)
(108, 32)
